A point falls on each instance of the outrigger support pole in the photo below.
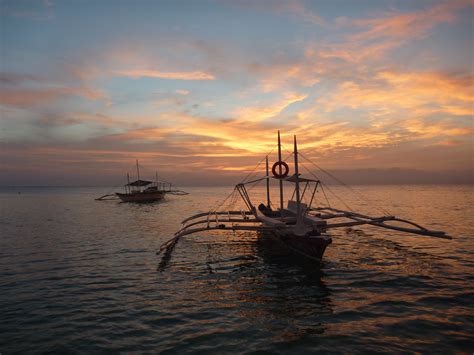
(312, 196)
(245, 196)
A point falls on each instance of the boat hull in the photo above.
(311, 247)
(142, 196)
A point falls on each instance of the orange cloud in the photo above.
(141, 73)
(266, 111)
(372, 38)
(421, 92)
(408, 25)
(32, 97)
(432, 129)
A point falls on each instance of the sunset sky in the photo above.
(198, 89)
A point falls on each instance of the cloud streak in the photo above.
(144, 73)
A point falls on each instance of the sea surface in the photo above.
(81, 276)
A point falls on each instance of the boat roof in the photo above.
(139, 183)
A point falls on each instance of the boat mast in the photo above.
(268, 185)
(297, 183)
(138, 171)
(280, 172)
(128, 183)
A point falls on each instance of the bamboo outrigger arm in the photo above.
(247, 213)
(177, 192)
(231, 220)
(186, 231)
(360, 219)
(107, 197)
(213, 222)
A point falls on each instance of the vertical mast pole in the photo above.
(128, 183)
(268, 184)
(138, 176)
(156, 175)
(297, 187)
(280, 172)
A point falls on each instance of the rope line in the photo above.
(355, 192)
(352, 190)
(256, 167)
(324, 193)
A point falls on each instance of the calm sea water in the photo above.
(78, 275)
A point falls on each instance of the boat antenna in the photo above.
(280, 172)
(268, 183)
(297, 183)
(138, 171)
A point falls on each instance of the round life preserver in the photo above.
(284, 173)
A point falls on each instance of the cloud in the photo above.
(32, 10)
(407, 25)
(422, 93)
(354, 55)
(16, 79)
(144, 73)
(283, 7)
(427, 129)
(266, 111)
(25, 97)
(182, 92)
(370, 39)
(26, 90)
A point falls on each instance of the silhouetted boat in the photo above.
(144, 190)
(301, 227)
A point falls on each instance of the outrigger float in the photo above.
(143, 190)
(301, 227)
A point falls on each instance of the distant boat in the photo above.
(143, 190)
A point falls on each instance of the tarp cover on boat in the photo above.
(140, 183)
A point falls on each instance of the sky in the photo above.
(376, 91)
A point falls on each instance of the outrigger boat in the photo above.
(143, 190)
(301, 227)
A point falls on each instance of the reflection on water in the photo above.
(73, 269)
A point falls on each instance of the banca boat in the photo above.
(143, 190)
(301, 227)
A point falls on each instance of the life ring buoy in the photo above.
(284, 173)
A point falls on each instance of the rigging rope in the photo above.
(233, 196)
(256, 167)
(324, 193)
(356, 194)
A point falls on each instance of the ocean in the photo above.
(82, 276)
